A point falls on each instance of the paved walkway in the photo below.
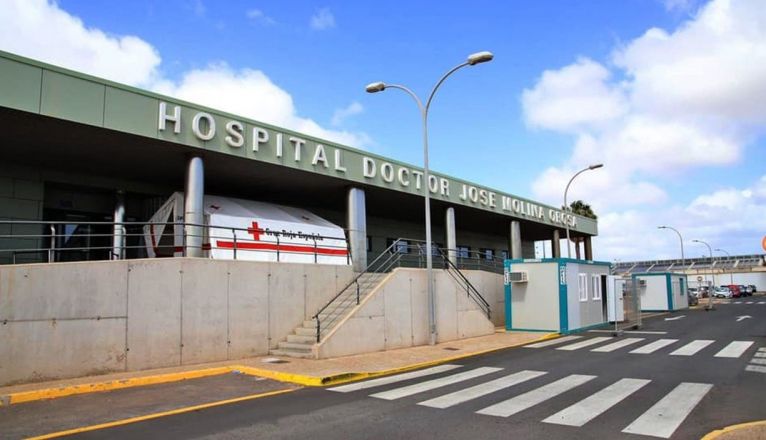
(364, 363)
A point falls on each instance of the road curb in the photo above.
(294, 378)
(733, 428)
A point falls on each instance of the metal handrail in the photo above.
(135, 230)
(383, 263)
(482, 302)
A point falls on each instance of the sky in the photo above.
(669, 94)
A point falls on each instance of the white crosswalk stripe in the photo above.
(474, 392)
(617, 345)
(393, 379)
(654, 346)
(409, 390)
(692, 348)
(552, 342)
(662, 419)
(734, 349)
(585, 343)
(749, 302)
(531, 398)
(761, 302)
(591, 407)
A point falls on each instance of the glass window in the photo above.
(463, 251)
(596, 281)
(582, 285)
(488, 254)
(504, 254)
(402, 246)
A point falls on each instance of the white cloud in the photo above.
(252, 94)
(198, 8)
(678, 5)
(322, 20)
(669, 103)
(573, 98)
(27, 27)
(258, 16)
(730, 218)
(40, 29)
(342, 114)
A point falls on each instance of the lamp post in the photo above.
(566, 207)
(681, 239)
(731, 272)
(712, 274)
(473, 59)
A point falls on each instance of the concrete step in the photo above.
(302, 339)
(307, 331)
(293, 354)
(311, 323)
(295, 346)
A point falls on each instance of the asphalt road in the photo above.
(546, 392)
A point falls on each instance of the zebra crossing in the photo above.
(661, 419)
(746, 302)
(639, 346)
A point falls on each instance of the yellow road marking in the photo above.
(718, 432)
(300, 379)
(158, 415)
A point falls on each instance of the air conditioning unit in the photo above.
(518, 277)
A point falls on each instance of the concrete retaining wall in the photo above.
(75, 319)
(395, 314)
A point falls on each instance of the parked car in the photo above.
(752, 286)
(693, 291)
(693, 300)
(703, 292)
(743, 290)
(722, 292)
(734, 289)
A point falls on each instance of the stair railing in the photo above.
(471, 291)
(383, 263)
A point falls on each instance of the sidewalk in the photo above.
(300, 371)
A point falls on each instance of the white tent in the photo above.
(253, 231)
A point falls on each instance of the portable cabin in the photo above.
(665, 291)
(561, 295)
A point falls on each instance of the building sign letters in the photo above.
(272, 145)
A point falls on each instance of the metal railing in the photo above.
(401, 253)
(81, 241)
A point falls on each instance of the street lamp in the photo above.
(712, 274)
(566, 207)
(681, 239)
(473, 59)
(731, 273)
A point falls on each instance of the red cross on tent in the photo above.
(255, 231)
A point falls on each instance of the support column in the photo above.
(556, 244)
(194, 207)
(118, 234)
(588, 248)
(356, 222)
(451, 238)
(516, 252)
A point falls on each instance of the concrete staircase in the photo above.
(301, 342)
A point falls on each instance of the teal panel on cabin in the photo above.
(73, 99)
(20, 87)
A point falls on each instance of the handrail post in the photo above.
(277, 248)
(234, 234)
(52, 248)
(318, 328)
(357, 292)
(315, 250)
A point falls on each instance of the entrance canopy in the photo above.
(249, 230)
